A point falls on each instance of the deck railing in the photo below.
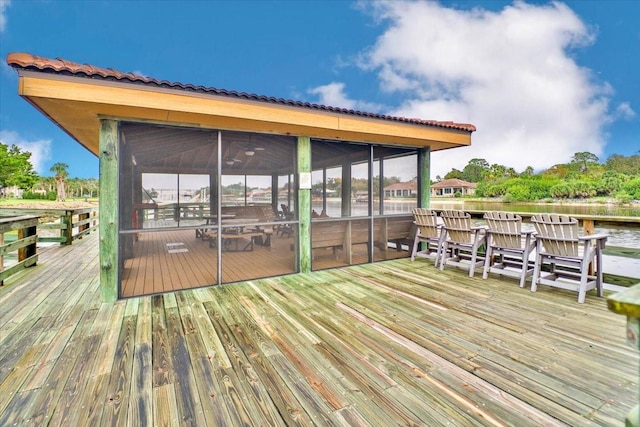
(71, 224)
(25, 244)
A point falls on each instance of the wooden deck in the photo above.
(392, 343)
(177, 260)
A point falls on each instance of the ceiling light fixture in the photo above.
(249, 152)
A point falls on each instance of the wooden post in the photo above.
(589, 226)
(424, 178)
(83, 227)
(30, 250)
(304, 203)
(109, 210)
(67, 231)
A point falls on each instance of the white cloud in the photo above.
(511, 73)
(40, 149)
(4, 4)
(333, 94)
(625, 111)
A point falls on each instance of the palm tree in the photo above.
(61, 174)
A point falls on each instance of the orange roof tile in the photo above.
(31, 62)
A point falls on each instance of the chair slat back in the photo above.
(458, 225)
(427, 222)
(558, 233)
(505, 228)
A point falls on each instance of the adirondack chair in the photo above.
(461, 241)
(559, 245)
(428, 232)
(508, 247)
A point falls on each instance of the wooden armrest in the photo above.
(594, 236)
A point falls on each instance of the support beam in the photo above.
(424, 177)
(346, 188)
(304, 203)
(109, 210)
(274, 192)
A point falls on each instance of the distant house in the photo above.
(449, 187)
(362, 196)
(401, 189)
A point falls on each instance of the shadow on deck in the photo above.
(392, 343)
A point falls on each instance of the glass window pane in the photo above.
(285, 207)
(160, 201)
(256, 239)
(393, 237)
(165, 261)
(232, 190)
(399, 170)
(258, 190)
(360, 189)
(326, 200)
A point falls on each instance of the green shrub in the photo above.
(609, 184)
(561, 191)
(573, 190)
(583, 189)
(623, 197)
(518, 193)
(30, 195)
(632, 188)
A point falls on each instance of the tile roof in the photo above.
(28, 61)
(454, 182)
(411, 185)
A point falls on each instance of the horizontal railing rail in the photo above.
(20, 233)
(72, 224)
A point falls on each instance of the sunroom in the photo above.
(201, 186)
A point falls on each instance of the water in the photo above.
(593, 209)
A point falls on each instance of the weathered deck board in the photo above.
(384, 344)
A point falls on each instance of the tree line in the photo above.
(16, 170)
(585, 176)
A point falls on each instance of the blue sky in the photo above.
(541, 81)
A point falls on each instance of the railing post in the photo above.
(627, 303)
(27, 251)
(83, 227)
(25, 246)
(67, 231)
(589, 226)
